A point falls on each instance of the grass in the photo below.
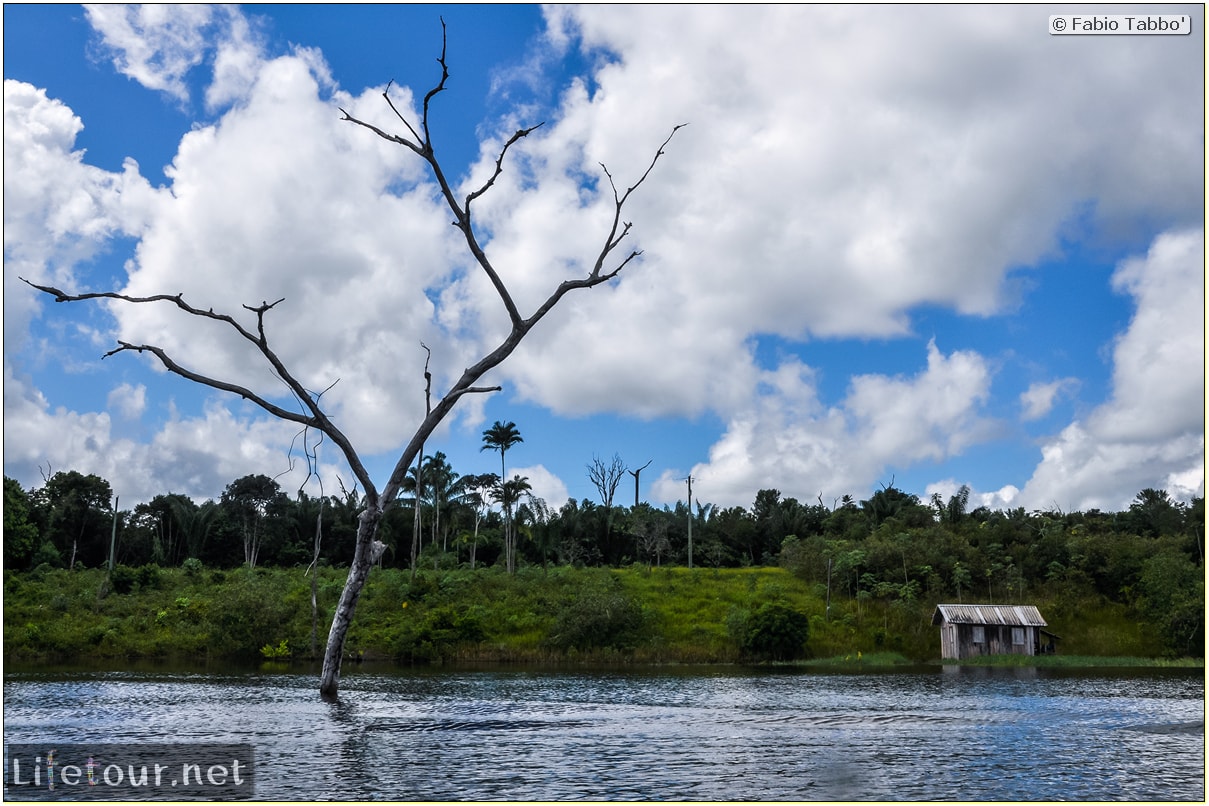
(1078, 661)
(630, 615)
(859, 660)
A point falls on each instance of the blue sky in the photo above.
(924, 246)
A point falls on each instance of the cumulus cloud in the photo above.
(195, 456)
(59, 211)
(156, 45)
(1039, 398)
(789, 440)
(544, 484)
(1150, 433)
(829, 184)
(832, 203)
(328, 217)
(129, 400)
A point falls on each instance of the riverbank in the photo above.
(634, 615)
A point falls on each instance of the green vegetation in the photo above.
(856, 583)
(558, 614)
(1079, 662)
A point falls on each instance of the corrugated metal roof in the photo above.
(1014, 615)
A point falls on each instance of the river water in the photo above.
(655, 734)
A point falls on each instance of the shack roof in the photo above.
(1008, 615)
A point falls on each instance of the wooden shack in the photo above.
(970, 630)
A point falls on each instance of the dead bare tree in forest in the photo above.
(376, 502)
(635, 474)
(606, 477)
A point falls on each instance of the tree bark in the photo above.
(358, 573)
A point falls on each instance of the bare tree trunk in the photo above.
(417, 524)
(358, 573)
(475, 544)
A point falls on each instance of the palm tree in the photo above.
(475, 497)
(500, 437)
(508, 493)
(443, 485)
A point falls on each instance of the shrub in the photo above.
(192, 567)
(774, 631)
(598, 618)
(47, 555)
(438, 634)
(282, 650)
(148, 576)
(123, 578)
(246, 610)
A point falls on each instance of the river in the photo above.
(971, 734)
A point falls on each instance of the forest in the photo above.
(889, 551)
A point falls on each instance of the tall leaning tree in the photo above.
(606, 265)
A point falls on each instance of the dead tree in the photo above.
(635, 474)
(376, 501)
(606, 478)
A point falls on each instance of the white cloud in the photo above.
(160, 45)
(829, 182)
(156, 45)
(1150, 433)
(195, 456)
(129, 401)
(545, 485)
(237, 58)
(1038, 400)
(788, 440)
(329, 217)
(58, 211)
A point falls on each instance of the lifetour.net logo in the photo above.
(49, 771)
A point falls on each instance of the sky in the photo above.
(921, 246)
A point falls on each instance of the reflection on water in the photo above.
(698, 734)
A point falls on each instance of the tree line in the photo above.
(892, 547)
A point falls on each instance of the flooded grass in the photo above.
(1078, 662)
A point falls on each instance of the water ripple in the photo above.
(692, 735)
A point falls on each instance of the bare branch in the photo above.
(440, 87)
(499, 164)
(614, 238)
(398, 114)
(394, 138)
(476, 390)
(316, 418)
(214, 383)
(606, 477)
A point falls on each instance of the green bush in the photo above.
(774, 631)
(437, 635)
(247, 608)
(192, 567)
(282, 650)
(148, 576)
(598, 618)
(47, 555)
(123, 578)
